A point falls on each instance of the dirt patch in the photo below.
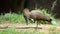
(21, 26)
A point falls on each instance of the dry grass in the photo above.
(46, 29)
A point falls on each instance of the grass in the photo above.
(14, 18)
(54, 30)
(14, 31)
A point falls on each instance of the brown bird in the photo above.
(36, 15)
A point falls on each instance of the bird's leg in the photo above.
(37, 25)
(26, 20)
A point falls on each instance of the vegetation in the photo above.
(15, 18)
(18, 5)
(14, 31)
(54, 30)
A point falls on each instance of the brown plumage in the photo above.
(26, 14)
(36, 15)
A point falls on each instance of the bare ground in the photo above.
(23, 26)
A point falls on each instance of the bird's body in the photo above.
(36, 15)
